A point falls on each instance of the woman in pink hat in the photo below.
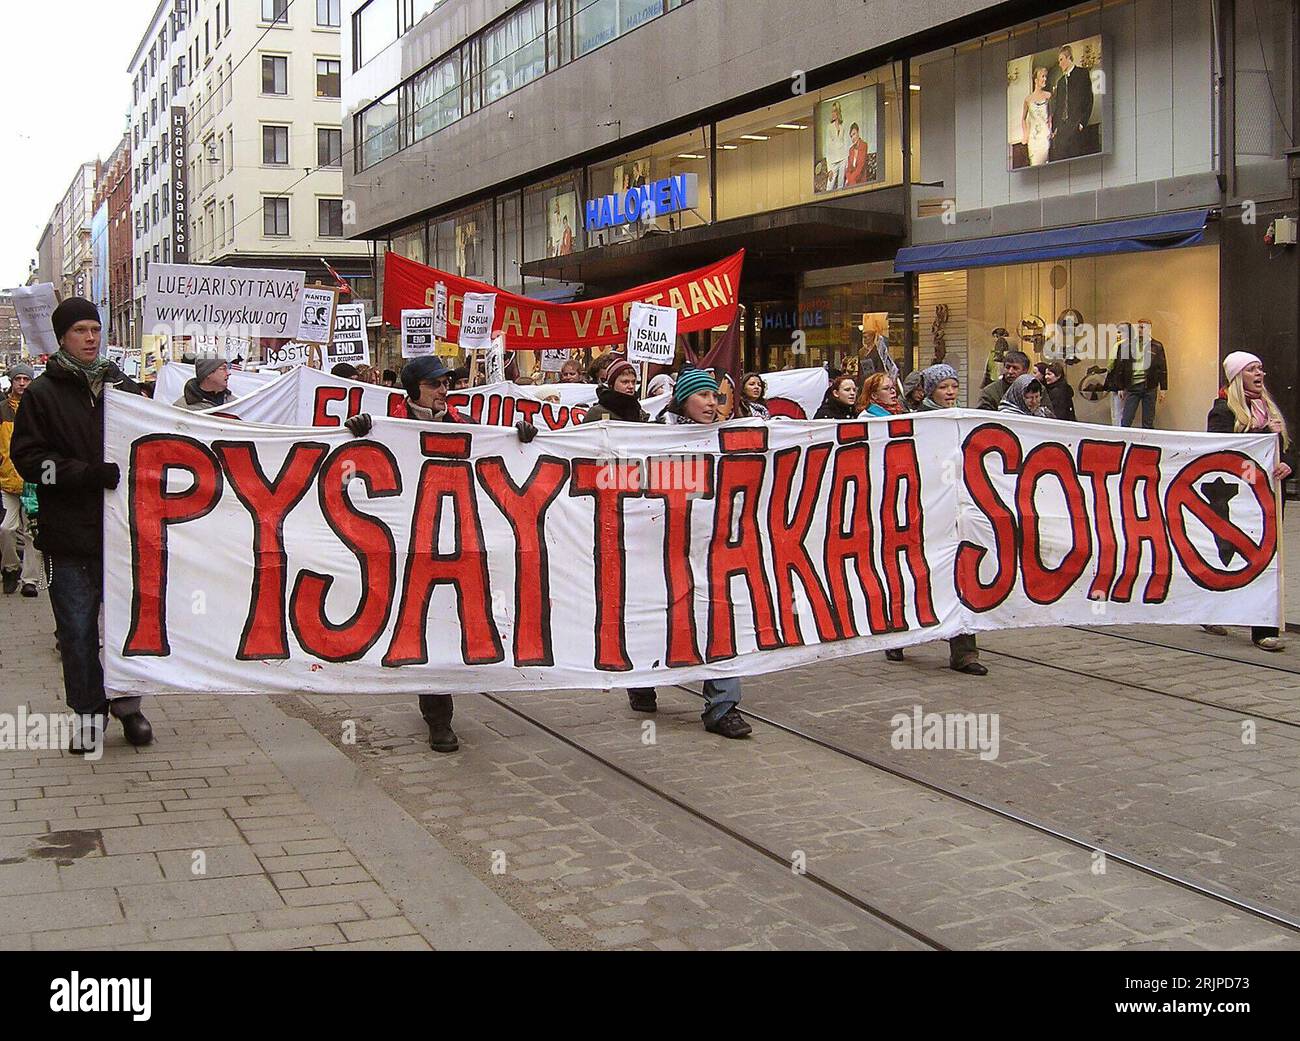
(1245, 406)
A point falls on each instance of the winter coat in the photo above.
(62, 423)
(992, 395)
(833, 408)
(1060, 395)
(1222, 421)
(1120, 374)
(613, 405)
(10, 480)
(196, 399)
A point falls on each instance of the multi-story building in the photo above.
(11, 337)
(109, 227)
(160, 73)
(949, 168)
(74, 215)
(48, 259)
(264, 141)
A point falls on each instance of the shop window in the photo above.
(514, 51)
(610, 182)
(597, 22)
(463, 243)
(833, 142)
(552, 219)
(435, 98)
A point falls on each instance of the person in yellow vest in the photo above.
(16, 525)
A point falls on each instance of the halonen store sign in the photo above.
(643, 202)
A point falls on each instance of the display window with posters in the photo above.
(552, 225)
(686, 153)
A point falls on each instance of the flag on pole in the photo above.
(339, 280)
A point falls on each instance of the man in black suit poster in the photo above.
(1071, 108)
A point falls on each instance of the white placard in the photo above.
(316, 320)
(291, 354)
(35, 304)
(652, 334)
(553, 361)
(349, 344)
(476, 314)
(440, 310)
(200, 300)
(417, 332)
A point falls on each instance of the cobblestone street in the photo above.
(566, 820)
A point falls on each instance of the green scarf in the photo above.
(93, 372)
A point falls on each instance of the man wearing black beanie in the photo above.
(58, 445)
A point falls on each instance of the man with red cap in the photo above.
(58, 445)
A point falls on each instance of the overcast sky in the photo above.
(69, 97)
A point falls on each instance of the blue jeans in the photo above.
(1146, 396)
(76, 595)
(719, 697)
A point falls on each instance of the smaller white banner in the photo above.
(200, 300)
(289, 354)
(417, 332)
(494, 362)
(317, 315)
(553, 361)
(440, 310)
(652, 334)
(35, 304)
(349, 344)
(476, 316)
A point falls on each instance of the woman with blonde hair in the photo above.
(1245, 406)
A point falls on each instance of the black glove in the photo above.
(359, 425)
(525, 430)
(107, 475)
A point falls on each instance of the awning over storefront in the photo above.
(1165, 231)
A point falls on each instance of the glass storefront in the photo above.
(684, 154)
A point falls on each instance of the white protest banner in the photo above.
(35, 304)
(290, 354)
(349, 343)
(417, 332)
(553, 361)
(316, 317)
(440, 310)
(476, 314)
(199, 300)
(642, 554)
(173, 376)
(309, 397)
(494, 360)
(651, 334)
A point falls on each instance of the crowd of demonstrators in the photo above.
(1245, 406)
(58, 445)
(16, 527)
(209, 387)
(1014, 365)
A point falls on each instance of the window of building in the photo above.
(374, 27)
(157, 253)
(462, 242)
(275, 146)
(329, 146)
(166, 201)
(275, 217)
(377, 131)
(227, 4)
(435, 98)
(409, 243)
(327, 13)
(327, 78)
(275, 74)
(230, 205)
(684, 154)
(218, 26)
(167, 250)
(514, 51)
(329, 218)
(230, 149)
(275, 11)
(507, 242)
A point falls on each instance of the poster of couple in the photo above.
(1054, 104)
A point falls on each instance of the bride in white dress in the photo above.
(1036, 119)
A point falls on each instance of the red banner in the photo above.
(704, 298)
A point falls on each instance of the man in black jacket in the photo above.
(58, 445)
